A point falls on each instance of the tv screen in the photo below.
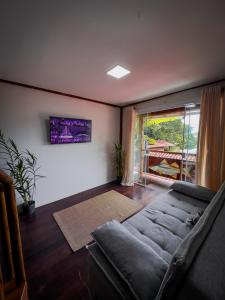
(66, 130)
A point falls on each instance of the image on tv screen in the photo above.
(66, 130)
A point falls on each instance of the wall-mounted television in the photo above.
(68, 130)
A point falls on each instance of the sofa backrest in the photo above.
(198, 245)
(205, 278)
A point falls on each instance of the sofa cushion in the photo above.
(137, 263)
(186, 252)
(193, 190)
(162, 224)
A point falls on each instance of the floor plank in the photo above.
(53, 270)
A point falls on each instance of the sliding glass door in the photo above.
(166, 145)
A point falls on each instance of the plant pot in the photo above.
(29, 209)
(119, 179)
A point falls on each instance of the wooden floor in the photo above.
(53, 270)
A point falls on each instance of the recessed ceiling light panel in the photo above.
(118, 72)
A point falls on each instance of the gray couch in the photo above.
(173, 249)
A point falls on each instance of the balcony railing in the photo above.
(172, 165)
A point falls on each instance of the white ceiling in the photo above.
(69, 45)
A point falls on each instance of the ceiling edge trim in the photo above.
(177, 92)
(56, 92)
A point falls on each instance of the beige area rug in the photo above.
(78, 221)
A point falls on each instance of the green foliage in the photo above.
(119, 160)
(171, 130)
(21, 166)
(149, 122)
(149, 140)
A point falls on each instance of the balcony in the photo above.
(171, 165)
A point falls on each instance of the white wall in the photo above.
(69, 168)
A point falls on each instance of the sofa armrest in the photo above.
(141, 268)
(193, 190)
(104, 280)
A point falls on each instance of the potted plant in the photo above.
(119, 162)
(22, 167)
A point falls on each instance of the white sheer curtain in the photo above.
(129, 118)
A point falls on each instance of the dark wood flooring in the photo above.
(53, 270)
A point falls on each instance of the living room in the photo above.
(112, 113)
